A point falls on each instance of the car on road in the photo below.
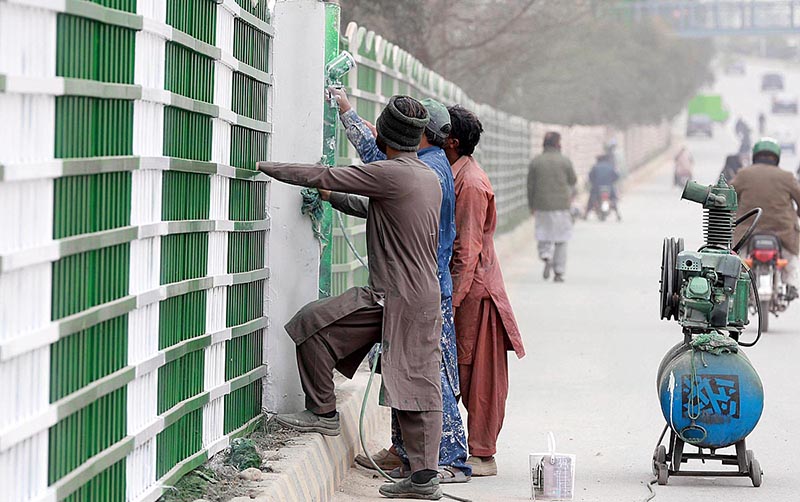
(700, 124)
(772, 82)
(784, 103)
(786, 139)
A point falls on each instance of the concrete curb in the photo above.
(313, 466)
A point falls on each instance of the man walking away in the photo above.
(399, 308)
(485, 324)
(453, 446)
(551, 185)
(764, 184)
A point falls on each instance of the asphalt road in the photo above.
(594, 344)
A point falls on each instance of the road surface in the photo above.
(595, 342)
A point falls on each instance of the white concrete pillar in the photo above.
(293, 250)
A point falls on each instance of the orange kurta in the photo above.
(485, 324)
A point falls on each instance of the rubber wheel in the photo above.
(601, 215)
(764, 316)
(755, 473)
(663, 475)
(659, 458)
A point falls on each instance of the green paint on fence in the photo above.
(93, 50)
(184, 256)
(180, 379)
(85, 280)
(108, 485)
(245, 303)
(93, 127)
(181, 318)
(243, 354)
(197, 18)
(91, 203)
(179, 441)
(187, 135)
(241, 406)
(185, 196)
(87, 432)
(87, 356)
(248, 200)
(189, 73)
(246, 251)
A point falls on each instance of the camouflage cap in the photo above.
(440, 117)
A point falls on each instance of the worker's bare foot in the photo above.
(482, 466)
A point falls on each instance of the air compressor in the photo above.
(711, 396)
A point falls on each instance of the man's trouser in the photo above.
(556, 252)
(484, 380)
(317, 358)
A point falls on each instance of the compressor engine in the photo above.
(711, 396)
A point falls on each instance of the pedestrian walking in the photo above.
(453, 446)
(551, 186)
(485, 326)
(399, 309)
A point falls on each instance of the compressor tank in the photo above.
(710, 401)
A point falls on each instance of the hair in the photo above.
(733, 162)
(437, 139)
(466, 128)
(768, 158)
(552, 140)
(410, 107)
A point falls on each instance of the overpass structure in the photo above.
(709, 18)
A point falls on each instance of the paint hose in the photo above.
(372, 372)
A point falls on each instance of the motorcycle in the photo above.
(764, 259)
(603, 205)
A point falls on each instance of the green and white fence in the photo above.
(133, 240)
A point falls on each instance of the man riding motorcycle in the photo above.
(603, 174)
(764, 184)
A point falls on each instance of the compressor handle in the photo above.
(757, 212)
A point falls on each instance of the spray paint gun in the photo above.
(335, 71)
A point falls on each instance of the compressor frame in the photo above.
(720, 203)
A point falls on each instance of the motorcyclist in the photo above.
(764, 184)
(603, 174)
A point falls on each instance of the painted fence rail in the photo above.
(133, 240)
(507, 146)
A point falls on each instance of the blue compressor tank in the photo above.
(710, 401)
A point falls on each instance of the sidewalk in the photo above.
(313, 466)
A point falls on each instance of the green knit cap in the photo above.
(399, 131)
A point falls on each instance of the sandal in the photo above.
(449, 474)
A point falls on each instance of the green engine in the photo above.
(707, 289)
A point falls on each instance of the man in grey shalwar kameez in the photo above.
(400, 307)
(551, 185)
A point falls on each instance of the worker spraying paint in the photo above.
(711, 396)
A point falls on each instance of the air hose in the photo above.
(372, 372)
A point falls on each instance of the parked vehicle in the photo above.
(784, 103)
(786, 139)
(700, 125)
(772, 82)
(764, 259)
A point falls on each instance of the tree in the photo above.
(559, 62)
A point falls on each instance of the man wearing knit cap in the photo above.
(398, 309)
(453, 467)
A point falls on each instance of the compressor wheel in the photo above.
(669, 278)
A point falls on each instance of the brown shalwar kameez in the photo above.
(399, 308)
(485, 324)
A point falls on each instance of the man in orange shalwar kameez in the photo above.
(485, 324)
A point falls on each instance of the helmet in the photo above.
(767, 145)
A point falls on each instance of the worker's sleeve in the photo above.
(471, 206)
(361, 137)
(572, 179)
(369, 180)
(531, 186)
(354, 205)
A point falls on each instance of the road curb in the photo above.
(314, 466)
